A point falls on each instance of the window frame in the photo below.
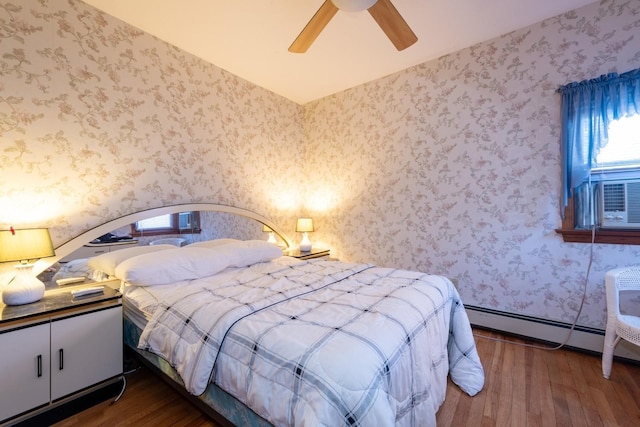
(174, 229)
(587, 109)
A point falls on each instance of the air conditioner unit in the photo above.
(620, 204)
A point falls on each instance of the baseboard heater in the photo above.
(551, 332)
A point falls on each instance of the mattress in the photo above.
(403, 381)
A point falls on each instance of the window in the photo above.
(623, 146)
(178, 223)
(600, 143)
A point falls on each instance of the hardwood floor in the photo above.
(531, 387)
(147, 401)
(523, 387)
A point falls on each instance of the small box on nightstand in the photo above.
(83, 282)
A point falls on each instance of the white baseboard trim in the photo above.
(582, 338)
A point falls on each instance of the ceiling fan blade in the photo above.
(313, 28)
(392, 23)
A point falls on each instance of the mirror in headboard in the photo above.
(216, 221)
(200, 225)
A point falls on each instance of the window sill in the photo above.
(621, 237)
(167, 232)
(615, 237)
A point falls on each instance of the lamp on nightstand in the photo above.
(305, 226)
(272, 234)
(24, 245)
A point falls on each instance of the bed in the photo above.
(265, 339)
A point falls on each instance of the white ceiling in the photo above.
(250, 38)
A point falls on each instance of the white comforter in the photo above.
(320, 343)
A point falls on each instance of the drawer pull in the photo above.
(39, 358)
(61, 355)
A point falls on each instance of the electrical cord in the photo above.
(124, 386)
(575, 321)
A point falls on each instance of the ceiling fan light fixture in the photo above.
(382, 11)
(353, 5)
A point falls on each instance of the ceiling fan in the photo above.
(382, 11)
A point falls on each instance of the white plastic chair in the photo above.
(175, 241)
(619, 325)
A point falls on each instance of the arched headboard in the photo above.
(89, 235)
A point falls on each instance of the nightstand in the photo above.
(313, 253)
(61, 348)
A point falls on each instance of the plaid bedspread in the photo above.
(321, 343)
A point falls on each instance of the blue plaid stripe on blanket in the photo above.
(321, 342)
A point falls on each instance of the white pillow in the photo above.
(108, 262)
(213, 243)
(169, 266)
(248, 252)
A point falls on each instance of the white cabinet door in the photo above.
(24, 369)
(85, 350)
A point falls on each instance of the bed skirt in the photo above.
(214, 397)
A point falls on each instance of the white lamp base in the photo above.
(24, 289)
(305, 244)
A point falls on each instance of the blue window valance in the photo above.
(588, 107)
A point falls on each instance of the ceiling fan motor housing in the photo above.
(382, 11)
(353, 5)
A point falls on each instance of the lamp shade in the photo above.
(304, 225)
(25, 244)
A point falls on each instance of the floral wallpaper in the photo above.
(98, 119)
(451, 166)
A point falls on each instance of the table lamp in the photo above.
(304, 226)
(272, 234)
(24, 245)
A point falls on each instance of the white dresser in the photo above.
(57, 349)
(93, 249)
